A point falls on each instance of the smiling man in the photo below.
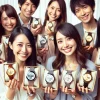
(27, 9)
(84, 10)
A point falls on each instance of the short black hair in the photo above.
(35, 2)
(74, 3)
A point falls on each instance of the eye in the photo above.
(85, 6)
(52, 8)
(12, 17)
(69, 38)
(59, 42)
(19, 45)
(29, 45)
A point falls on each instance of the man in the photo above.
(27, 9)
(84, 10)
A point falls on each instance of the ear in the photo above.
(10, 45)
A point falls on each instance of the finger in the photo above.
(45, 89)
(12, 83)
(82, 89)
(63, 88)
(51, 90)
(8, 83)
(86, 90)
(48, 90)
(28, 90)
(66, 90)
(79, 88)
(33, 89)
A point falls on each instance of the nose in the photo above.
(54, 11)
(65, 44)
(29, 7)
(82, 12)
(9, 21)
(24, 48)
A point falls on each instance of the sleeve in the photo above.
(91, 95)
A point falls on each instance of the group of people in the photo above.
(68, 48)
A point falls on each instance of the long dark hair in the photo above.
(69, 30)
(32, 59)
(11, 12)
(62, 17)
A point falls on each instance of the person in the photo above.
(95, 54)
(8, 21)
(70, 56)
(56, 14)
(22, 50)
(84, 11)
(27, 9)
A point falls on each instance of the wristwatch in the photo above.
(87, 77)
(10, 71)
(89, 39)
(43, 41)
(50, 25)
(31, 75)
(50, 78)
(35, 22)
(68, 78)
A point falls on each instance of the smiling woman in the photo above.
(8, 19)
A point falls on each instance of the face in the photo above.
(84, 13)
(21, 48)
(27, 9)
(66, 45)
(54, 11)
(8, 23)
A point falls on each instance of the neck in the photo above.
(90, 25)
(7, 32)
(24, 19)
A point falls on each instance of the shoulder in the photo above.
(49, 62)
(78, 25)
(90, 65)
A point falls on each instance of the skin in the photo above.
(27, 10)
(85, 14)
(22, 50)
(8, 23)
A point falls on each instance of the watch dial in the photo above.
(31, 75)
(68, 78)
(10, 71)
(87, 77)
(49, 78)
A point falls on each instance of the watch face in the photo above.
(43, 40)
(10, 71)
(68, 78)
(36, 22)
(89, 38)
(50, 24)
(31, 75)
(87, 77)
(49, 78)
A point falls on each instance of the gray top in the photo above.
(89, 96)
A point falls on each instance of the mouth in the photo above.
(85, 17)
(68, 49)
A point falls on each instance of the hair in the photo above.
(69, 30)
(62, 17)
(98, 34)
(11, 12)
(32, 59)
(80, 3)
(35, 2)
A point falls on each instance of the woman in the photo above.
(70, 56)
(56, 14)
(8, 20)
(22, 50)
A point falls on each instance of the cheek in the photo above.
(29, 51)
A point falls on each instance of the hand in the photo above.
(89, 49)
(53, 93)
(68, 91)
(82, 89)
(12, 86)
(37, 30)
(31, 91)
(1, 61)
(41, 52)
